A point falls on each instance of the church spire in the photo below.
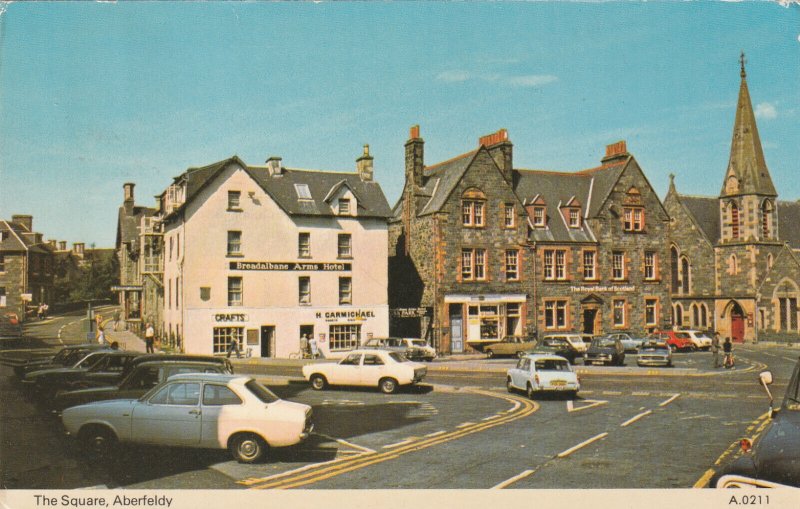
(747, 170)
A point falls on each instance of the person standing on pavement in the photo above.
(715, 349)
(233, 346)
(304, 345)
(149, 338)
(40, 312)
(727, 347)
(101, 336)
(45, 309)
(312, 344)
(116, 321)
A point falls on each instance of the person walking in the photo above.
(101, 336)
(116, 321)
(45, 309)
(715, 350)
(304, 346)
(233, 346)
(149, 338)
(312, 344)
(727, 348)
(40, 312)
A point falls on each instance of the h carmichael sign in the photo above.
(292, 266)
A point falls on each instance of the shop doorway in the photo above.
(267, 341)
(456, 328)
(306, 330)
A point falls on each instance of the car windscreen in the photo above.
(554, 342)
(552, 365)
(604, 342)
(682, 335)
(261, 392)
(418, 342)
(398, 357)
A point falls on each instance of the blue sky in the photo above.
(93, 95)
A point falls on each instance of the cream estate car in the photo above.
(379, 368)
(202, 410)
(576, 340)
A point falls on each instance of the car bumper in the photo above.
(653, 362)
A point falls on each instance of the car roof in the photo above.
(543, 356)
(208, 377)
(370, 351)
(178, 362)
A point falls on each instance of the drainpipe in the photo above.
(535, 286)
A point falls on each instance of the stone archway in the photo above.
(736, 320)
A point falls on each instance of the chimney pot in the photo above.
(616, 149)
(62, 245)
(274, 166)
(414, 132)
(128, 193)
(494, 138)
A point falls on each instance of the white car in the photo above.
(203, 410)
(413, 348)
(576, 340)
(699, 338)
(378, 368)
(536, 373)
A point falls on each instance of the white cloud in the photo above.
(453, 76)
(766, 111)
(532, 80)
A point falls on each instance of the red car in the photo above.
(677, 340)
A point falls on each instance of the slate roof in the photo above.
(281, 188)
(17, 238)
(442, 178)
(128, 225)
(789, 223)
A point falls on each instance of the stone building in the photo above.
(26, 267)
(749, 237)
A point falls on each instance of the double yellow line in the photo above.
(522, 408)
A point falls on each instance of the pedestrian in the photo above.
(116, 321)
(715, 350)
(312, 344)
(149, 338)
(234, 346)
(45, 309)
(727, 348)
(101, 336)
(304, 346)
(40, 312)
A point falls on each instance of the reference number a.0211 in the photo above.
(749, 500)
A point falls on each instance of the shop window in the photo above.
(589, 265)
(555, 314)
(304, 289)
(345, 245)
(508, 215)
(345, 290)
(619, 312)
(234, 291)
(304, 245)
(512, 265)
(223, 336)
(234, 243)
(344, 337)
(651, 312)
(618, 265)
(490, 321)
(650, 265)
(234, 200)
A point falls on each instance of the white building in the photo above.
(263, 254)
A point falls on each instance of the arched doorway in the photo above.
(737, 322)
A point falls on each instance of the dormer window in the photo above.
(344, 207)
(538, 217)
(303, 193)
(574, 218)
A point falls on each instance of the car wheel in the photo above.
(428, 359)
(318, 382)
(490, 354)
(388, 385)
(247, 448)
(529, 391)
(509, 388)
(97, 441)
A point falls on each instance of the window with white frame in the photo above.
(344, 337)
(561, 265)
(304, 289)
(466, 264)
(304, 245)
(473, 264)
(555, 264)
(508, 215)
(619, 312)
(345, 245)
(788, 314)
(344, 206)
(512, 265)
(574, 218)
(303, 193)
(234, 291)
(633, 219)
(555, 314)
(650, 265)
(538, 216)
(3, 297)
(345, 290)
(618, 265)
(224, 336)
(472, 212)
(234, 243)
(480, 264)
(234, 200)
(589, 268)
(651, 311)
(549, 265)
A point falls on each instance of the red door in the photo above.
(737, 328)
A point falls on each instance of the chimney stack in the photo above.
(364, 165)
(615, 151)
(23, 219)
(77, 248)
(501, 150)
(52, 244)
(415, 159)
(128, 187)
(62, 245)
(274, 166)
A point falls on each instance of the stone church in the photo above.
(749, 237)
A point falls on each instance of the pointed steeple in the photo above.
(747, 170)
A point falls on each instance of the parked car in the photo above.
(413, 348)
(510, 345)
(577, 341)
(201, 410)
(605, 350)
(555, 345)
(773, 459)
(699, 338)
(537, 373)
(25, 362)
(143, 377)
(678, 340)
(654, 353)
(10, 326)
(630, 341)
(103, 367)
(380, 368)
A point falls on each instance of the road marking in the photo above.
(491, 417)
(612, 393)
(640, 394)
(670, 400)
(694, 417)
(398, 444)
(703, 481)
(345, 442)
(592, 403)
(465, 424)
(789, 359)
(582, 444)
(252, 480)
(771, 355)
(514, 479)
(636, 418)
(436, 433)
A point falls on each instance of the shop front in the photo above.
(478, 320)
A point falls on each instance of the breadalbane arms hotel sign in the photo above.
(292, 266)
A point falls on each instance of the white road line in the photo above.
(670, 400)
(591, 404)
(789, 359)
(636, 418)
(491, 417)
(612, 393)
(435, 434)
(771, 355)
(640, 393)
(582, 444)
(465, 424)
(345, 442)
(398, 444)
(514, 479)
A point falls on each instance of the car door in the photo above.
(521, 373)
(140, 381)
(170, 416)
(108, 372)
(372, 369)
(348, 371)
(221, 409)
